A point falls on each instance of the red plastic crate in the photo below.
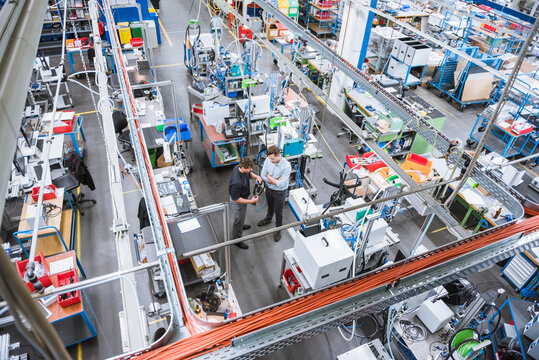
(48, 194)
(293, 284)
(66, 278)
(62, 127)
(45, 280)
(136, 42)
(418, 159)
(353, 161)
(245, 33)
(197, 109)
(376, 165)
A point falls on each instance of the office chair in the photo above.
(70, 184)
(78, 174)
(120, 123)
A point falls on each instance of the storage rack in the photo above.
(444, 78)
(320, 18)
(77, 18)
(504, 141)
(408, 61)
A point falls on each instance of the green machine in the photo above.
(466, 345)
(437, 119)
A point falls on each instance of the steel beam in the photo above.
(134, 338)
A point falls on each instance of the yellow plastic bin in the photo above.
(283, 6)
(124, 32)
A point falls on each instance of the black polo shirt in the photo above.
(239, 184)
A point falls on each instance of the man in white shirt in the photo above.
(276, 174)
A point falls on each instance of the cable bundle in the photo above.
(201, 343)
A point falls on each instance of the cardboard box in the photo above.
(203, 264)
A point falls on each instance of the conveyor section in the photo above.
(256, 333)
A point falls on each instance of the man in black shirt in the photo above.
(239, 190)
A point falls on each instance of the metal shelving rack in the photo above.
(53, 39)
(503, 141)
(320, 18)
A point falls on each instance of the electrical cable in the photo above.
(219, 337)
(352, 332)
(413, 332)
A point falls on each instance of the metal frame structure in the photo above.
(281, 335)
(422, 127)
(301, 327)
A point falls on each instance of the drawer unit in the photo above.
(404, 48)
(417, 55)
(302, 205)
(396, 69)
(397, 44)
(324, 258)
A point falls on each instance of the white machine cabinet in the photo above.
(373, 350)
(302, 204)
(324, 258)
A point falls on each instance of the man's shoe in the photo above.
(242, 245)
(246, 227)
(264, 222)
(276, 237)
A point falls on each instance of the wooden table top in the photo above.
(54, 221)
(57, 311)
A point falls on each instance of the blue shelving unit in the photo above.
(504, 141)
(320, 18)
(51, 35)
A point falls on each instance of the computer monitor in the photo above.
(19, 161)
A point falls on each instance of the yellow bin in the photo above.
(125, 34)
(283, 6)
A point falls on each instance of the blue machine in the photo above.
(293, 147)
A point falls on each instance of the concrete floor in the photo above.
(255, 272)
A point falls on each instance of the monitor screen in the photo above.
(18, 161)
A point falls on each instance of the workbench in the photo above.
(213, 141)
(195, 239)
(54, 238)
(76, 322)
(283, 44)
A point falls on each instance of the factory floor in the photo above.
(254, 272)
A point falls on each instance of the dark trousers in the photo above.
(275, 200)
(239, 210)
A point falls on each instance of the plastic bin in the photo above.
(48, 194)
(45, 279)
(72, 297)
(227, 153)
(290, 280)
(125, 35)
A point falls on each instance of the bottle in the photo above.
(198, 311)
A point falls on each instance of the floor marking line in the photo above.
(86, 112)
(156, 321)
(530, 170)
(165, 32)
(130, 191)
(166, 65)
(440, 229)
(79, 351)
